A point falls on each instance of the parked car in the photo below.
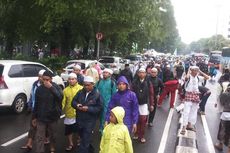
(16, 80)
(113, 62)
(83, 63)
(134, 58)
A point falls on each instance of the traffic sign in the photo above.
(99, 36)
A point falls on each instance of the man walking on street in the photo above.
(88, 104)
(192, 99)
(144, 92)
(106, 87)
(157, 87)
(31, 104)
(47, 111)
(70, 113)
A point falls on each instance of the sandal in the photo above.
(191, 129)
(135, 137)
(218, 146)
(78, 142)
(46, 142)
(182, 132)
(26, 147)
(52, 151)
(143, 140)
(69, 148)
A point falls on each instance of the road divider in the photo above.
(186, 143)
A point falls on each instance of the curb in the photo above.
(186, 143)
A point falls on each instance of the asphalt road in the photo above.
(12, 126)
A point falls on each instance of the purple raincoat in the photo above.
(128, 100)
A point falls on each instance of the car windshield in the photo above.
(107, 60)
(226, 53)
(215, 59)
(134, 58)
(1, 70)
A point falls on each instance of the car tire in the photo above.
(19, 104)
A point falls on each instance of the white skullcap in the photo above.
(88, 79)
(157, 65)
(72, 75)
(108, 70)
(154, 69)
(142, 70)
(41, 72)
(168, 66)
(78, 67)
(194, 67)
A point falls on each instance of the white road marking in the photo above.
(165, 133)
(19, 137)
(15, 139)
(62, 116)
(208, 136)
(166, 129)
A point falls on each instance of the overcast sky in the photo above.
(201, 18)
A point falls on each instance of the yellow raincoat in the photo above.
(116, 138)
(69, 93)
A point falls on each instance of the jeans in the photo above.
(203, 102)
(85, 129)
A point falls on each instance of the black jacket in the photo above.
(93, 101)
(48, 103)
(144, 91)
(157, 85)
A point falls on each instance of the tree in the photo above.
(65, 23)
(206, 45)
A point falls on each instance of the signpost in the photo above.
(99, 36)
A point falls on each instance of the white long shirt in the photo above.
(194, 83)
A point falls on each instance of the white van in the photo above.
(16, 80)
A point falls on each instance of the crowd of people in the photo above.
(124, 105)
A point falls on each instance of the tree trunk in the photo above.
(65, 40)
(86, 47)
(9, 48)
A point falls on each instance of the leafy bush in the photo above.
(54, 63)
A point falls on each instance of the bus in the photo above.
(225, 57)
(215, 58)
